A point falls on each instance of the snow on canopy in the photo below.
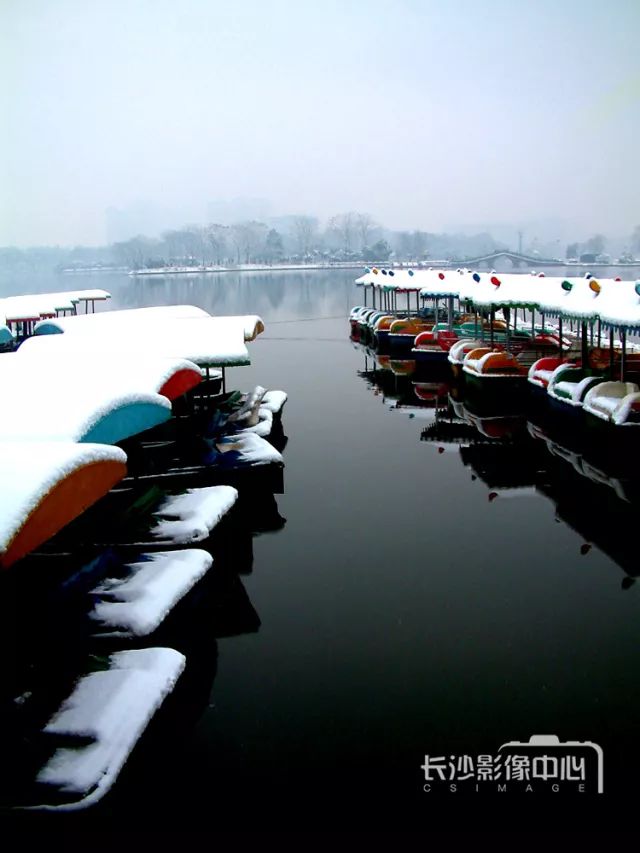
(615, 303)
(126, 316)
(367, 278)
(48, 406)
(618, 304)
(30, 472)
(441, 283)
(513, 290)
(102, 720)
(35, 305)
(138, 319)
(136, 601)
(207, 341)
(56, 358)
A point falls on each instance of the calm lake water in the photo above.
(427, 596)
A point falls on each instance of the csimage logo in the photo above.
(541, 764)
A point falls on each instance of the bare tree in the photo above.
(344, 226)
(135, 252)
(216, 237)
(248, 239)
(635, 240)
(364, 225)
(306, 232)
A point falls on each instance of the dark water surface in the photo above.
(411, 605)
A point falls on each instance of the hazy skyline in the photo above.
(424, 114)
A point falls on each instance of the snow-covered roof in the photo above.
(510, 289)
(619, 303)
(48, 406)
(42, 304)
(31, 472)
(139, 319)
(441, 283)
(207, 341)
(54, 359)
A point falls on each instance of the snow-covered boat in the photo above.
(432, 347)
(615, 403)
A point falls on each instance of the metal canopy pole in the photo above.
(623, 335)
(611, 353)
(560, 332)
(585, 346)
(408, 304)
(491, 318)
(450, 313)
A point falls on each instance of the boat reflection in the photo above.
(595, 490)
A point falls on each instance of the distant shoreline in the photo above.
(347, 265)
(335, 265)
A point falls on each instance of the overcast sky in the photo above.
(423, 114)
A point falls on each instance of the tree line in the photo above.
(350, 236)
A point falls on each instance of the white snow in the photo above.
(130, 317)
(274, 401)
(113, 707)
(30, 470)
(139, 319)
(33, 306)
(612, 401)
(52, 360)
(40, 411)
(262, 426)
(190, 517)
(207, 341)
(134, 605)
(249, 449)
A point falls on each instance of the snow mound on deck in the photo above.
(111, 708)
(274, 401)
(248, 449)
(192, 516)
(134, 605)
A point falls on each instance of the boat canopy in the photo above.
(37, 305)
(613, 302)
(207, 341)
(45, 485)
(59, 357)
(48, 407)
(619, 304)
(140, 319)
(87, 323)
